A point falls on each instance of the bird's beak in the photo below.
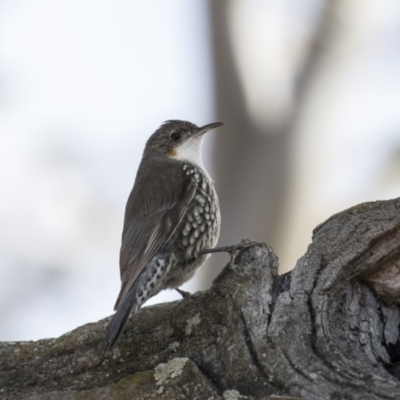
(202, 130)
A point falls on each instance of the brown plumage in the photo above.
(171, 216)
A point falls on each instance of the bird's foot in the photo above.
(185, 295)
(233, 251)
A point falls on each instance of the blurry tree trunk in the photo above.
(252, 162)
(327, 330)
(248, 159)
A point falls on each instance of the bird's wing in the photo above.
(151, 218)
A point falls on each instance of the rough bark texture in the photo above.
(327, 330)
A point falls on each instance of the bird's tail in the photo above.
(119, 320)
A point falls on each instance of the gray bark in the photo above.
(327, 330)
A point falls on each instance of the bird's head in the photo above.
(179, 140)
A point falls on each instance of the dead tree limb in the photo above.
(327, 330)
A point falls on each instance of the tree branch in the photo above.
(327, 330)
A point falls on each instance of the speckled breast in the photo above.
(199, 229)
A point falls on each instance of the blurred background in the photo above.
(308, 90)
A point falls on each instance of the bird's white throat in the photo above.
(191, 150)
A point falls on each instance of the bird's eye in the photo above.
(175, 136)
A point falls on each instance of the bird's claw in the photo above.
(233, 251)
(184, 294)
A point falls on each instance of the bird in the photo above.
(172, 217)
